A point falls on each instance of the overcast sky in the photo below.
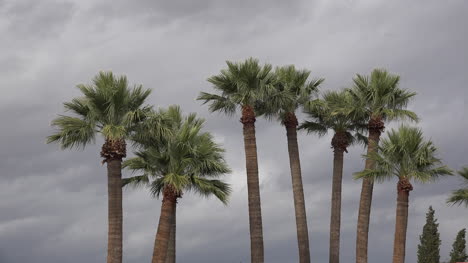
(53, 204)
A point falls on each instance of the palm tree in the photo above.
(324, 116)
(185, 159)
(377, 99)
(110, 108)
(292, 90)
(243, 85)
(460, 196)
(408, 156)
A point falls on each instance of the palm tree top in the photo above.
(327, 113)
(379, 96)
(186, 159)
(460, 196)
(240, 84)
(108, 106)
(407, 155)
(292, 89)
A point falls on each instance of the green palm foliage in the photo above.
(377, 99)
(460, 196)
(292, 90)
(379, 96)
(111, 108)
(186, 159)
(406, 155)
(328, 113)
(324, 115)
(243, 86)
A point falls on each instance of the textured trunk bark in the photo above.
(161, 243)
(171, 250)
(335, 218)
(114, 188)
(401, 222)
(253, 187)
(366, 202)
(298, 192)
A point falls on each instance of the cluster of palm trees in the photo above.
(174, 155)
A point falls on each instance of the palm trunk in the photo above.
(299, 203)
(401, 222)
(171, 250)
(114, 188)
(253, 187)
(335, 218)
(340, 142)
(375, 128)
(161, 243)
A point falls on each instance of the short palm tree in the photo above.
(293, 89)
(377, 99)
(243, 85)
(460, 196)
(110, 108)
(185, 159)
(406, 155)
(324, 116)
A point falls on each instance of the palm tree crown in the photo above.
(460, 196)
(328, 113)
(183, 159)
(293, 89)
(108, 107)
(378, 98)
(241, 84)
(406, 155)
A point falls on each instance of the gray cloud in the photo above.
(54, 201)
(29, 21)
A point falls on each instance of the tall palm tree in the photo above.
(324, 116)
(110, 108)
(378, 99)
(408, 156)
(186, 159)
(460, 196)
(292, 90)
(243, 85)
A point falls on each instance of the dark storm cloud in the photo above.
(55, 201)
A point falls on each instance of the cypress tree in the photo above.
(458, 253)
(429, 247)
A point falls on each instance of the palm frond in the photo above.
(207, 187)
(459, 197)
(464, 172)
(72, 132)
(135, 181)
(314, 127)
(374, 175)
(218, 103)
(400, 114)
